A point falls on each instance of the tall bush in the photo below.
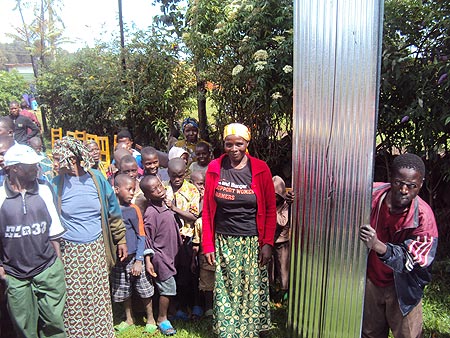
(244, 48)
(12, 86)
(90, 90)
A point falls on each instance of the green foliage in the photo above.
(89, 90)
(43, 34)
(245, 49)
(159, 85)
(83, 91)
(414, 110)
(12, 86)
(436, 302)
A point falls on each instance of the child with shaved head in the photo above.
(163, 241)
(151, 163)
(129, 276)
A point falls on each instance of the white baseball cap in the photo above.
(20, 153)
(176, 152)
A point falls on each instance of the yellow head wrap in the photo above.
(237, 129)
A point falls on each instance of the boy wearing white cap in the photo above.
(29, 231)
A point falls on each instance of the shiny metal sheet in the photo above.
(336, 72)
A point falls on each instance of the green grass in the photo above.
(203, 328)
(436, 302)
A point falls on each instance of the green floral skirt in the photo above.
(241, 294)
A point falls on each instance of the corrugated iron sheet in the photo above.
(336, 72)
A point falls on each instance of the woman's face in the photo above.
(94, 150)
(69, 171)
(190, 133)
(235, 147)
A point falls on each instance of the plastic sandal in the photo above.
(197, 312)
(166, 328)
(181, 315)
(150, 328)
(123, 327)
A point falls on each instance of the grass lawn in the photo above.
(203, 328)
(436, 302)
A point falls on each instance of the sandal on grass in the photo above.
(150, 328)
(197, 312)
(123, 327)
(166, 328)
(180, 315)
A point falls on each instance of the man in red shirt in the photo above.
(25, 111)
(402, 241)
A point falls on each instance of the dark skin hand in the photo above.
(368, 236)
(264, 257)
(122, 251)
(290, 196)
(265, 254)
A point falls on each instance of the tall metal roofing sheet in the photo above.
(336, 74)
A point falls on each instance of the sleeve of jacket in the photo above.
(417, 251)
(138, 225)
(271, 209)
(149, 234)
(207, 226)
(115, 221)
(34, 129)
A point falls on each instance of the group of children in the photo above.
(163, 232)
(164, 228)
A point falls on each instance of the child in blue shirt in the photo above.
(130, 275)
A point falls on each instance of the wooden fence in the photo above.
(102, 141)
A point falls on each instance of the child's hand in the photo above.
(211, 258)
(111, 170)
(168, 203)
(150, 269)
(122, 251)
(290, 196)
(136, 269)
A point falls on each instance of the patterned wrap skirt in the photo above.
(241, 293)
(88, 311)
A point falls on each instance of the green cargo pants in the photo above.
(40, 298)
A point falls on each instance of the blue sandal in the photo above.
(197, 312)
(180, 315)
(166, 328)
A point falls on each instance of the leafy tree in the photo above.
(90, 90)
(245, 50)
(159, 85)
(414, 110)
(12, 86)
(83, 91)
(43, 34)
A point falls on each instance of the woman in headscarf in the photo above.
(95, 237)
(239, 221)
(190, 133)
